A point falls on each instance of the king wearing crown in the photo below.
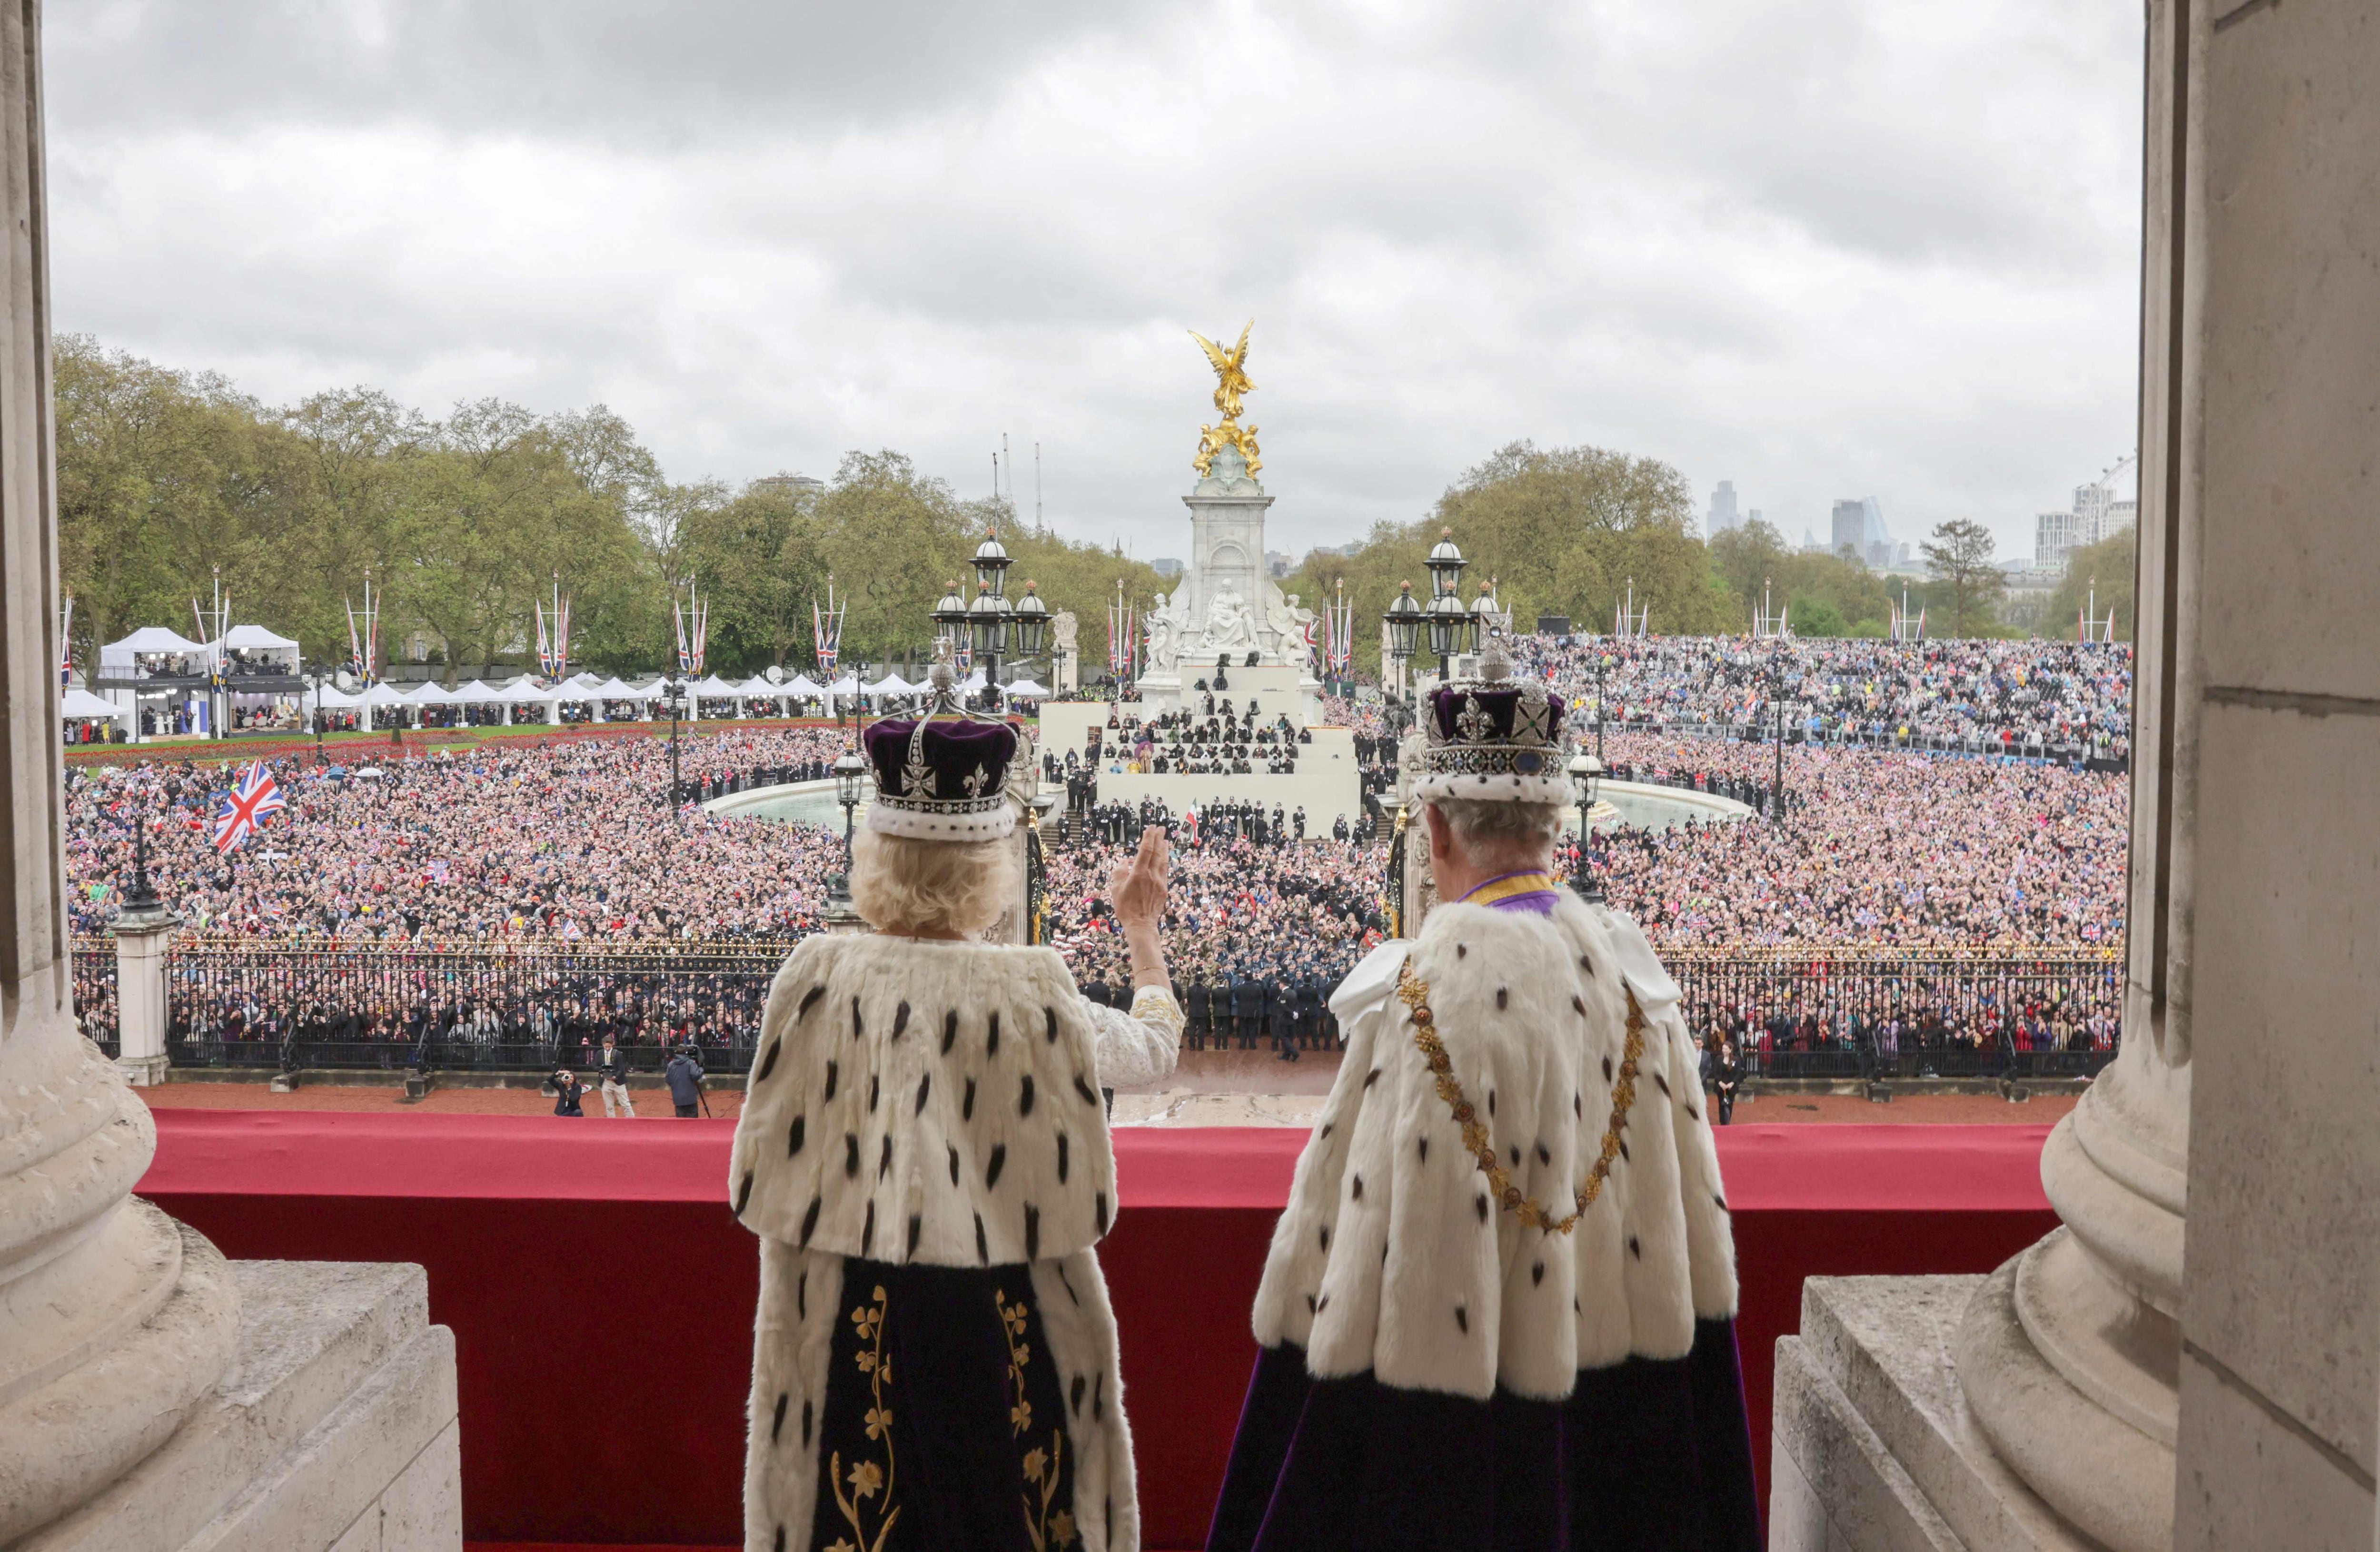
(1499, 1312)
(924, 1154)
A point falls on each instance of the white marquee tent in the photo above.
(80, 705)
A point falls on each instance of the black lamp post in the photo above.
(673, 692)
(140, 895)
(314, 677)
(1585, 773)
(1403, 620)
(1452, 627)
(1777, 697)
(989, 615)
(1602, 662)
(1028, 623)
(850, 777)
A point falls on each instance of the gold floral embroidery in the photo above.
(1048, 1529)
(867, 1479)
(1414, 995)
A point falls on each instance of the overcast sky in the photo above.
(1825, 249)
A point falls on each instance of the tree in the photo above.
(1564, 530)
(1966, 579)
(2099, 577)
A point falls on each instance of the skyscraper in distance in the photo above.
(1723, 517)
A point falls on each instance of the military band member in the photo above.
(1499, 1310)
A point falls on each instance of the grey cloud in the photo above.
(629, 70)
(1821, 251)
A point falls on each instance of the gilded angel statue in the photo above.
(1230, 382)
(1231, 370)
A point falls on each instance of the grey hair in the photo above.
(902, 885)
(1497, 824)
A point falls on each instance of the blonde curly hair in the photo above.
(927, 888)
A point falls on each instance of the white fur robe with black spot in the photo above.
(916, 1106)
(1405, 1312)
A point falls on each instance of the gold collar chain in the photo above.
(1414, 995)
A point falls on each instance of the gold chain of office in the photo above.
(1414, 995)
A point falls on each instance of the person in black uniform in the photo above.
(568, 1091)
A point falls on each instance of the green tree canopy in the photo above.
(1560, 532)
(2099, 577)
(1968, 584)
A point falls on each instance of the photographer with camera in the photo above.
(684, 1075)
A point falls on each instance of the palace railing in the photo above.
(94, 992)
(533, 1005)
(1858, 1012)
(485, 1005)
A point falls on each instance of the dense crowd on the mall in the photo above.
(572, 843)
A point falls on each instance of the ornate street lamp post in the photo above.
(1029, 622)
(850, 779)
(989, 615)
(1586, 780)
(673, 692)
(1452, 628)
(1403, 620)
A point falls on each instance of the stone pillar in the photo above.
(143, 932)
(2193, 1359)
(2280, 406)
(115, 1321)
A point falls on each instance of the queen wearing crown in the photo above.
(1498, 1312)
(924, 1154)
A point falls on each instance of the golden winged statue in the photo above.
(1230, 382)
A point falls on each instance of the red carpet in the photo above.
(601, 1295)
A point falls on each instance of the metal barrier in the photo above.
(534, 1006)
(487, 1006)
(1846, 1014)
(94, 993)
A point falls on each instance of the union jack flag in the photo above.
(252, 799)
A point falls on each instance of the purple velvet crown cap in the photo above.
(1500, 705)
(953, 750)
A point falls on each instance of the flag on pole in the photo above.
(252, 797)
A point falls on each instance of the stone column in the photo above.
(115, 1321)
(144, 931)
(2193, 1359)
(2069, 1356)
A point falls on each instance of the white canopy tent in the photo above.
(333, 699)
(1024, 689)
(147, 638)
(802, 685)
(80, 705)
(891, 684)
(431, 693)
(382, 694)
(476, 694)
(529, 692)
(713, 687)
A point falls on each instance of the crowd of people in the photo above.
(1879, 848)
(1261, 927)
(568, 839)
(571, 842)
(2047, 698)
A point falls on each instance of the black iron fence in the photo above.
(1907, 1012)
(491, 1006)
(94, 992)
(1827, 1013)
